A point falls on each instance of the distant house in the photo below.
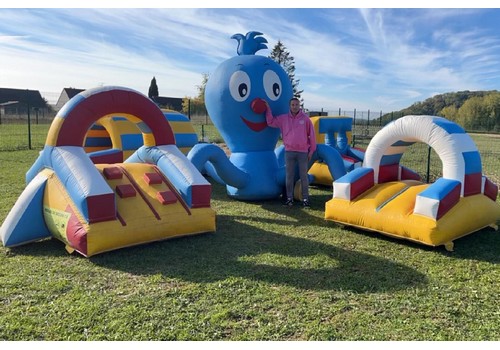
(66, 95)
(16, 102)
(173, 103)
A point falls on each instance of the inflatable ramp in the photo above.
(382, 196)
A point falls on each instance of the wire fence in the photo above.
(16, 133)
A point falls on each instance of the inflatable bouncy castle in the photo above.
(382, 196)
(104, 200)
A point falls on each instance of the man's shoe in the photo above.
(288, 203)
(306, 204)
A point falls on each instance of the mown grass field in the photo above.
(267, 273)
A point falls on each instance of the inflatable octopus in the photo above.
(234, 97)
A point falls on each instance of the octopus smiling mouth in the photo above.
(254, 126)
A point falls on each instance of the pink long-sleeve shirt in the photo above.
(297, 131)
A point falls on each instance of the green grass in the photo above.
(267, 273)
(15, 136)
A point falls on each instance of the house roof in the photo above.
(22, 96)
(66, 95)
(174, 103)
(71, 92)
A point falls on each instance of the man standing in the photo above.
(299, 140)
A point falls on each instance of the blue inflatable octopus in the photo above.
(234, 97)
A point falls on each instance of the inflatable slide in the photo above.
(100, 201)
(382, 196)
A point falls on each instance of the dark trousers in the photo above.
(292, 159)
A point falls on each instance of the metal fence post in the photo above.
(428, 162)
(29, 119)
(353, 126)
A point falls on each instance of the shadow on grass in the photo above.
(240, 250)
(482, 245)
(48, 247)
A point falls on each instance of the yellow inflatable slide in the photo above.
(99, 201)
(382, 196)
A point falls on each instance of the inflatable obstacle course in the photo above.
(385, 197)
(153, 194)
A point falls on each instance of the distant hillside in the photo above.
(434, 105)
(473, 110)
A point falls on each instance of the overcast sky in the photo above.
(378, 59)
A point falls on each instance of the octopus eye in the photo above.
(239, 86)
(272, 85)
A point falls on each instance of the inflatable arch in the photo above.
(119, 133)
(154, 194)
(382, 196)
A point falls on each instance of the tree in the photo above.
(451, 113)
(281, 55)
(201, 88)
(153, 89)
(492, 102)
(196, 105)
(471, 114)
(473, 110)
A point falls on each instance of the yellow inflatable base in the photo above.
(388, 209)
(321, 174)
(107, 236)
(141, 218)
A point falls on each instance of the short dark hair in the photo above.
(293, 99)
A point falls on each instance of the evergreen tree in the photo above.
(282, 56)
(153, 89)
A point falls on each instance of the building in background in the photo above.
(17, 103)
(65, 96)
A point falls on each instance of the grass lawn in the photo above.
(267, 273)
